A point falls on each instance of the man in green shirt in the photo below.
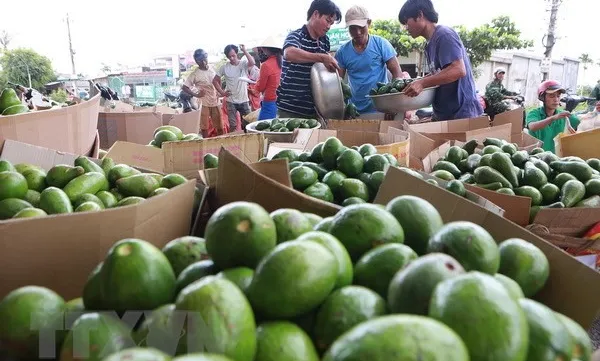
(548, 121)
(496, 93)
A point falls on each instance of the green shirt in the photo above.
(548, 133)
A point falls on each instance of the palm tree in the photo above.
(586, 61)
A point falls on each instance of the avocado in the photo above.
(473, 162)
(29, 213)
(454, 155)
(449, 167)
(344, 309)
(182, 252)
(344, 262)
(361, 227)
(377, 267)
(321, 172)
(490, 301)
(239, 223)
(581, 170)
(175, 130)
(549, 339)
(550, 193)
(469, 243)
(524, 263)
(572, 192)
(36, 179)
(419, 220)
(350, 188)
(495, 186)
(210, 161)
(139, 354)
(486, 175)
(195, 272)
(411, 288)
(12, 185)
(290, 224)
(26, 312)
(331, 149)
(582, 345)
(531, 192)
(88, 165)
(91, 182)
(409, 337)
(470, 146)
(274, 294)
(503, 164)
(493, 141)
(315, 153)
(456, 187)
(512, 287)
(350, 162)
(240, 276)
(136, 262)
(231, 330)
(533, 176)
(324, 225)
(562, 178)
(55, 201)
(303, 177)
(8, 98)
(442, 174)
(283, 341)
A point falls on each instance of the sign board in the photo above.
(144, 91)
(169, 73)
(545, 65)
(337, 37)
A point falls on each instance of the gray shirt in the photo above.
(238, 88)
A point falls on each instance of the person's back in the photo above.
(458, 99)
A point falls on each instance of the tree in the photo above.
(19, 65)
(585, 60)
(480, 42)
(5, 39)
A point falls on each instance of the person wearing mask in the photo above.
(236, 89)
(302, 48)
(366, 59)
(496, 93)
(548, 121)
(448, 62)
(202, 80)
(269, 78)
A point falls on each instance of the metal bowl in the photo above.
(400, 102)
(327, 92)
(275, 137)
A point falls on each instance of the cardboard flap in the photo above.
(583, 145)
(500, 132)
(237, 181)
(137, 155)
(18, 152)
(568, 221)
(187, 157)
(187, 122)
(452, 126)
(513, 117)
(566, 273)
(275, 169)
(517, 207)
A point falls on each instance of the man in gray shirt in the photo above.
(236, 89)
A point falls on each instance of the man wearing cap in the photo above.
(202, 80)
(495, 93)
(548, 121)
(448, 63)
(301, 49)
(366, 59)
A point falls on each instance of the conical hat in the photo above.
(271, 42)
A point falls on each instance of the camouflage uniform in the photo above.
(495, 93)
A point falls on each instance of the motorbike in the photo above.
(571, 102)
(183, 100)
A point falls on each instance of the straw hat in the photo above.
(271, 42)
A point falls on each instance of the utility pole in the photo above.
(71, 51)
(550, 37)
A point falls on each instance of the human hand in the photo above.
(243, 48)
(561, 115)
(389, 116)
(330, 63)
(413, 89)
(200, 93)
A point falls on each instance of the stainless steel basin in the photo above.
(400, 102)
(327, 92)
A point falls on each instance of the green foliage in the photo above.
(14, 64)
(59, 96)
(394, 32)
(480, 42)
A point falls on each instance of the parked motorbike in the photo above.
(183, 99)
(571, 102)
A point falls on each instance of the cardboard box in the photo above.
(525, 141)
(395, 141)
(513, 117)
(71, 129)
(584, 145)
(568, 277)
(566, 227)
(364, 125)
(59, 251)
(115, 106)
(187, 158)
(187, 122)
(516, 208)
(134, 127)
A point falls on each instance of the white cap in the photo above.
(357, 16)
(499, 70)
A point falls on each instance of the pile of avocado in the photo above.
(393, 87)
(10, 104)
(169, 133)
(550, 181)
(285, 125)
(335, 173)
(350, 112)
(28, 191)
(372, 282)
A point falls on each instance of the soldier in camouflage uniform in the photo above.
(495, 93)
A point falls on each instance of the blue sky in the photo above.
(133, 31)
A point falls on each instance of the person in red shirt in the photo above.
(270, 75)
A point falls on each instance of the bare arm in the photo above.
(394, 67)
(297, 55)
(189, 91)
(449, 74)
(249, 57)
(541, 124)
(217, 84)
(342, 73)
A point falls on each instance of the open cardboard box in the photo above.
(571, 287)
(516, 208)
(71, 129)
(584, 145)
(364, 125)
(59, 251)
(187, 158)
(395, 142)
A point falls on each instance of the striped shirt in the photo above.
(294, 94)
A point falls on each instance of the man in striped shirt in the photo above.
(302, 48)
